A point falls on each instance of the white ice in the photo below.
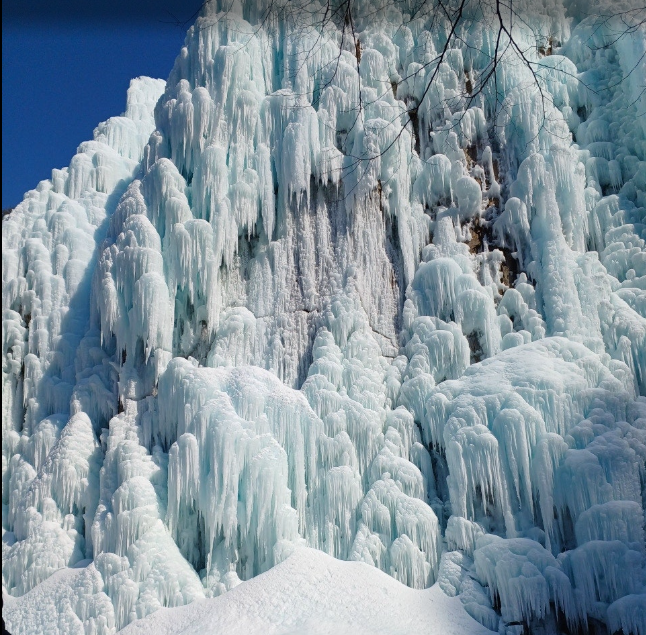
(266, 317)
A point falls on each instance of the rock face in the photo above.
(318, 289)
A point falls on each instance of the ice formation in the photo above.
(311, 292)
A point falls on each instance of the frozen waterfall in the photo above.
(312, 292)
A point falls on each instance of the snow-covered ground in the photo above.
(310, 592)
(299, 306)
(313, 593)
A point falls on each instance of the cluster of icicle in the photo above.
(249, 316)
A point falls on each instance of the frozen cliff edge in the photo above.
(266, 310)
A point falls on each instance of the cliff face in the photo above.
(331, 286)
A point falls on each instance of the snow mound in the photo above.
(312, 593)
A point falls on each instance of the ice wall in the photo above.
(58, 382)
(297, 295)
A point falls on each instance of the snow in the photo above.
(264, 323)
(311, 592)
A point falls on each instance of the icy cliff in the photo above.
(317, 290)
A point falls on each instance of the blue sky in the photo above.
(64, 71)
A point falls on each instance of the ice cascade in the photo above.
(312, 291)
